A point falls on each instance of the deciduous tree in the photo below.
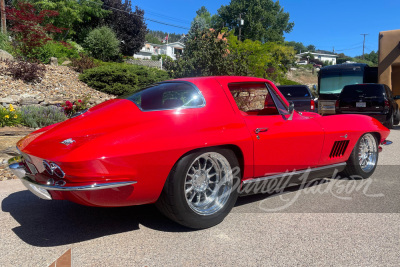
(128, 25)
(207, 54)
(29, 27)
(76, 16)
(270, 60)
(264, 20)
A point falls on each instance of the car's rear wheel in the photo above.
(363, 159)
(201, 188)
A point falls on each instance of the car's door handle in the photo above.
(259, 130)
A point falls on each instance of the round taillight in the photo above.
(47, 167)
(57, 170)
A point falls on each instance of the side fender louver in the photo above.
(339, 148)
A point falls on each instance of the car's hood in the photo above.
(61, 138)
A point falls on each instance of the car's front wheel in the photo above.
(201, 188)
(363, 159)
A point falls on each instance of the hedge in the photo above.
(121, 78)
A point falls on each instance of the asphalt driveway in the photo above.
(331, 222)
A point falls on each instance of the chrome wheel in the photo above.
(367, 153)
(208, 183)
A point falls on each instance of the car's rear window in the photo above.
(294, 91)
(169, 95)
(363, 90)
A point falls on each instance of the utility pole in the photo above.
(363, 44)
(3, 17)
(241, 22)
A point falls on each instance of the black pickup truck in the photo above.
(300, 96)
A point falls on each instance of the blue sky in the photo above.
(323, 23)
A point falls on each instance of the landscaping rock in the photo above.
(66, 63)
(5, 55)
(12, 99)
(28, 101)
(53, 61)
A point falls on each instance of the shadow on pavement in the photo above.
(396, 127)
(54, 223)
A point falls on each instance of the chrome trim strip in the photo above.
(94, 186)
(17, 169)
(280, 175)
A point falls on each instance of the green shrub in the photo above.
(5, 43)
(284, 81)
(76, 46)
(84, 62)
(102, 43)
(39, 116)
(157, 57)
(9, 116)
(55, 49)
(121, 78)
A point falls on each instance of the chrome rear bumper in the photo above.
(41, 190)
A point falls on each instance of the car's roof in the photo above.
(364, 84)
(298, 85)
(344, 66)
(224, 79)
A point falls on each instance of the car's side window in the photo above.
(253, 99)
(278, 101)
(165, 96)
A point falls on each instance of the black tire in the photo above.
(353, 167)
(390, 122)
(173, 201)
(397, 118)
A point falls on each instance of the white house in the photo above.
(170, 50)
(321, 56)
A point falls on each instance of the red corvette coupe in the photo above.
(192, 146)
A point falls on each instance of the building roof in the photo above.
(169, 44)
(317, 54)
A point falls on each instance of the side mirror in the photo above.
(396, 97)
(291, 111)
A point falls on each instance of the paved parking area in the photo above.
(335, 222)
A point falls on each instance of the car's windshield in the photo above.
(169, 95)
(363, 90)
(294, 91)
(333, 84)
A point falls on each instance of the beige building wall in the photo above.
(389, 60)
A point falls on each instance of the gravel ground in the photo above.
(58, 82)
